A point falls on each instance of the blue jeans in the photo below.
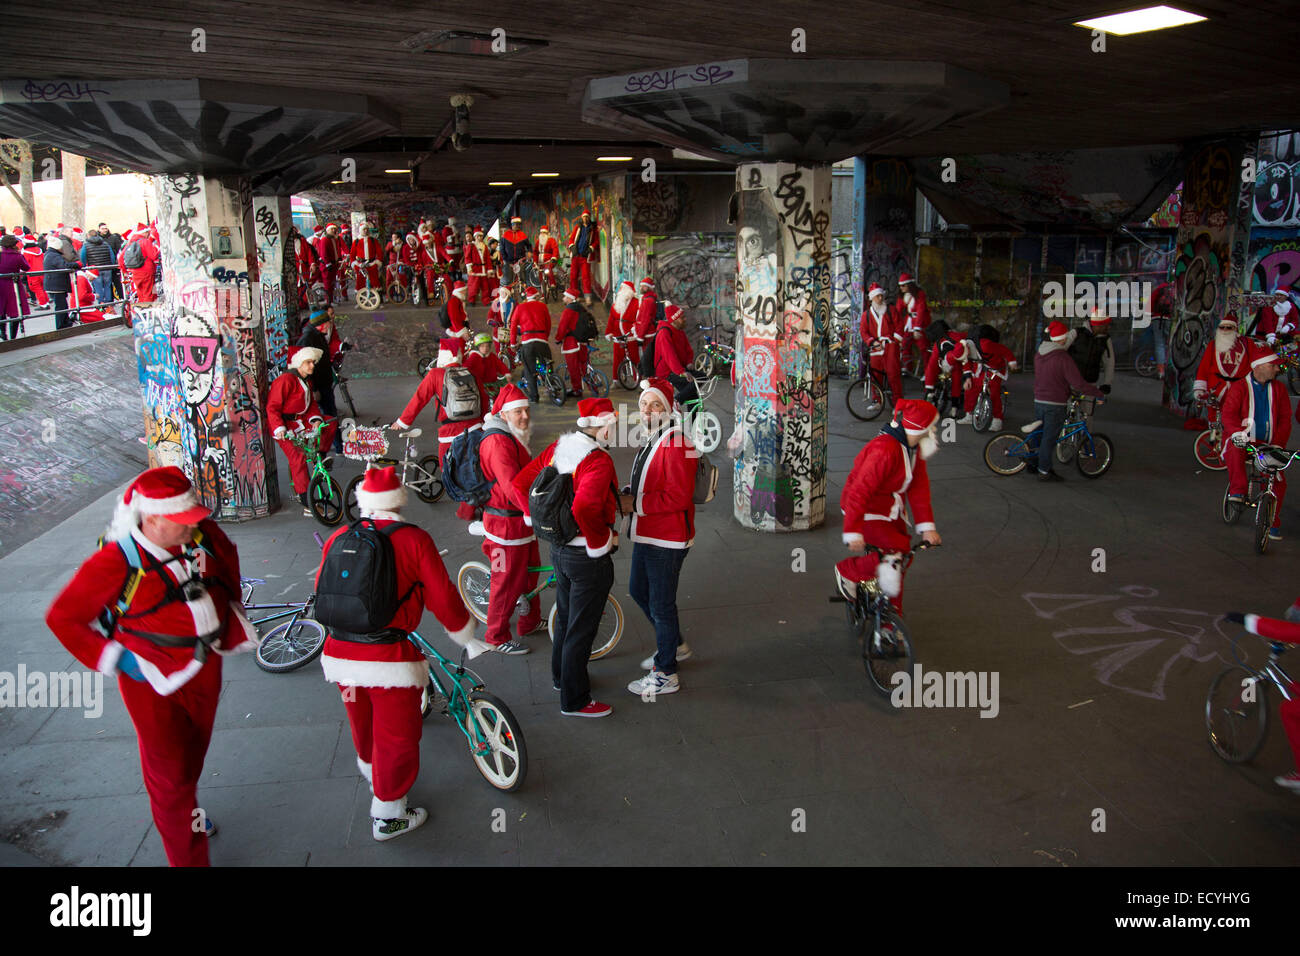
(653, 585)
(1053, 417)
(102, 286)
(582, 584)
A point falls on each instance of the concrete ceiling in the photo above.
(1164, 87)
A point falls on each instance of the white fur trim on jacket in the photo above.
(393, 500)
(570, 449)
(374, 673)
(366, 770)
(108, 658)
(465, 638)
(852, 538)
(251, 639)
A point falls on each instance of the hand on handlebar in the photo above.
(930, 539)
(1240, 439)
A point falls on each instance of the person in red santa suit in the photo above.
(430, 266)
(486, 365)
(393, 259)
(674, 355)
(1288, 632)
(36, 261)
(83, 297)
(482, 273)
(574, 352)
(367, 259)
(498, 317)
(547, 255)
(510, 546)
(442, 384)
(309, 273)
(328, 250)
(530, 328)
(142, 278)
(78, 236)
(647, 312)
(453, 246)
(382, 676)
(291, 407)
(1223, 362)
(1277, 320)
(911, 315)
(584, 246)
(621, 324)
(157, 606)
(942, 359)
(888, 479)
(408, 257)
(881, 339)
(985, 358)
(456, 312)
(1257, 409)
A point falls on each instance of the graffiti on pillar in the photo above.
(1275, 263)
(245, 372)
(184, 208)
(168, 434)
(270, 258)
(196, 345)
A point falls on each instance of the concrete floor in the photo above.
(1102, 682)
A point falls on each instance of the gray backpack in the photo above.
(706, 480)
(460, 395)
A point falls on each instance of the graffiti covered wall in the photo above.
(1276, 199)
(783, 298)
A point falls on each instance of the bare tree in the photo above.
(74, 189)
(16, 160)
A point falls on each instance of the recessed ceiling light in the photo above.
(1141, 21)
(400, 172)
(336, 182)
(545, 175)
(613, 159)
(500, 184)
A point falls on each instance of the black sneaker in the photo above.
(1049, 476)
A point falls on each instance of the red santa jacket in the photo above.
(1277, 319)
(502, 457)
(477, 260)
(912, 318)
(290, 405)
(663, 491)
(645, 316)
(673, 352)
(595, 488)
(393, 252)
(1239, 411)
(547, 252)
(366, 250)
(308, 259)
(400, 664)
(530, 322)
(430, 389)
(878, 329)
(486, 368)
(996, 356)
(564, 331)
(456, 312)
(105, 578)
(942, 358)
(409, 254)
(622, 323)
(1272, 629)
(1217, 371)
(449, 244)
(872, 501)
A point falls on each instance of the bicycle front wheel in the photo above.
(1264, 512)
(1208, 450)
(473, 582)
(555, 387)
(628, 376)
(706, 431)
(502, 758)
(983, 416)
(1145, 364)
(351, 509)
(290, 646)
(326, 500)
(887, 650)
(1006, 454)
(598, 382)
(864, 399)
(347, 397)
(1231, 509)
(1095, 455)
(427, 484)
(608, 632)
(704, 363)
(1236, 714)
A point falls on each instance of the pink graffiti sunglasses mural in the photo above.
(194, 353)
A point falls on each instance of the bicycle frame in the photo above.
(1272, 671)
(458, 703)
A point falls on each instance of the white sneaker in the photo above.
(411, 819)
(966, 419)
(995, 425)
(683, 654)
(654, 684)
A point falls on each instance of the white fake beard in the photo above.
(622, 300)
(928, 446)
(1282, 308)
(523, 435)
(1224, 341)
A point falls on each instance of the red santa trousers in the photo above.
(1235, 459)
(862, 567)
(511, 579)
(386, 727)
(142, 279)
(577, 362)
(486, 286)
(580, 268)
(887, 362)
(370, 272)
(174, 732)
(298, 461)
(995, 394)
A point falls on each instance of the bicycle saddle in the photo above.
(1027, 429)
(411, 433)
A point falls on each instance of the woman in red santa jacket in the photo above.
(1288, 632)
(511, 546)
(622, 323)
(662, 530)
(890, 468)
(584, 571)
(382, 676)
(148, 608)
(291, 407)
(881, 338)
(574, 352)
(367, 256)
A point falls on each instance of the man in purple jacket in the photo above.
(1055, 376)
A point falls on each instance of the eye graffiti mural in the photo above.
(783, 302)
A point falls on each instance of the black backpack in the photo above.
(1088, 351)
(356, 593)
(444, 317)
(647, 365)
(133, 258)
(550, 503)
(660, 314)
(584, 330)
(462, 471)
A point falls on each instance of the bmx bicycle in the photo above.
(324, 497)
(1008, 453)
(1264, 465)
(290, 645)
(1236, 706)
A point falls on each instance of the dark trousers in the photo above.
(653, 585)
(329, 407)
(12, 326)
(1053, 417)
(581, 587)
(529, 354)
(117, 291)
(60, 302)
(684, 388)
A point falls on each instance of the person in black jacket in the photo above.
(59, 262)
(97, 253)
(114, 240)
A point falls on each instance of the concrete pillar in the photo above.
(202, 353)
(277, 289)
(783, 300)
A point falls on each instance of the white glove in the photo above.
(472, 644)
(1270, 338)
(609, 338)
(279, 433)
(1240, 438)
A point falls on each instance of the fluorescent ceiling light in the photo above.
(500, 184)
(401, 172)
(544, 175)
(1141, 21)
(696, 157)
(336, 182)
(613, 159)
